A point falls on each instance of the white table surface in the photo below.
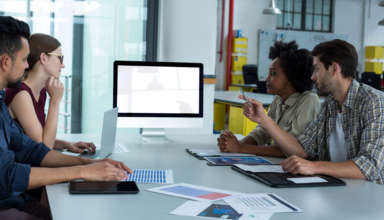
(231, 97)
(358, 200)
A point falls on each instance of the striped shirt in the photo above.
(362, 116)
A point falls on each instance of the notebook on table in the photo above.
(274, 176)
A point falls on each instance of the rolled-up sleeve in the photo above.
(27, 150)
(14, 177)
(370, 158)
(259, 134)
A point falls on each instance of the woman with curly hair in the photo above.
(294, 106)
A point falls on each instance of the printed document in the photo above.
(215, 211)
(260, 202)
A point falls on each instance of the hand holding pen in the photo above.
(253, 110)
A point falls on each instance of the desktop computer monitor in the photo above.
(157, 95)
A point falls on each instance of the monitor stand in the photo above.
(154, 136)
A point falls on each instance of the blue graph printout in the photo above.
(151, 176)
(231, 160)
(220, 211)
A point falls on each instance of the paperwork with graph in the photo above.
(151, 176)
(260, 203)
(193, 192)
(214, 211)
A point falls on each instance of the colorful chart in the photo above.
(151, 176)
(220, 211)
(193, 192)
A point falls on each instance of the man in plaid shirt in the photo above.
(346, 138)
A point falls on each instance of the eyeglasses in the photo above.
(60, 56)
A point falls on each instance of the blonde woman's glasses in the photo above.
(60, 56)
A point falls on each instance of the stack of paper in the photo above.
(238, 205)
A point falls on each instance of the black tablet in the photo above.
(287, 180)
(128, 187)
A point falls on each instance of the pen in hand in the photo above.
(243, 96)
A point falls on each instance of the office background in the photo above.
(94, 33)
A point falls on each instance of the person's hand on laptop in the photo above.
(80, 147)
(228, 142)
(104, 170)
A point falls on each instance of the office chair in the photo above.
(372, 79)
(250, 76)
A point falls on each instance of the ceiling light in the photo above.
(272, 10)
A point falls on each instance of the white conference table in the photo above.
(358, 200)
(232, 97)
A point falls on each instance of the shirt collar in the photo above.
(352, 92)
(2, 94)
(291, 100)
(349, 99)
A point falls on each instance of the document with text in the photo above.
(260, 202)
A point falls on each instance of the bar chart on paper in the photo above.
(151, 176)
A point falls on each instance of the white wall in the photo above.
(187, 33)
(358, 19)
(374, 34)
(348, 19)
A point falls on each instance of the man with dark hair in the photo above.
(346, 139)
(25, 164)
(294, 106)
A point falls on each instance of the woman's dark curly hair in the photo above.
(296, 63)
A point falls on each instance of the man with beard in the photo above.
(346, 139)
(25, 164)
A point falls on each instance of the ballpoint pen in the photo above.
(244, 97)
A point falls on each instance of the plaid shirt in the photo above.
(363, 126)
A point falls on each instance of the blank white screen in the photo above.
(154, 89)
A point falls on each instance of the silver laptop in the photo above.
(108, 135)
